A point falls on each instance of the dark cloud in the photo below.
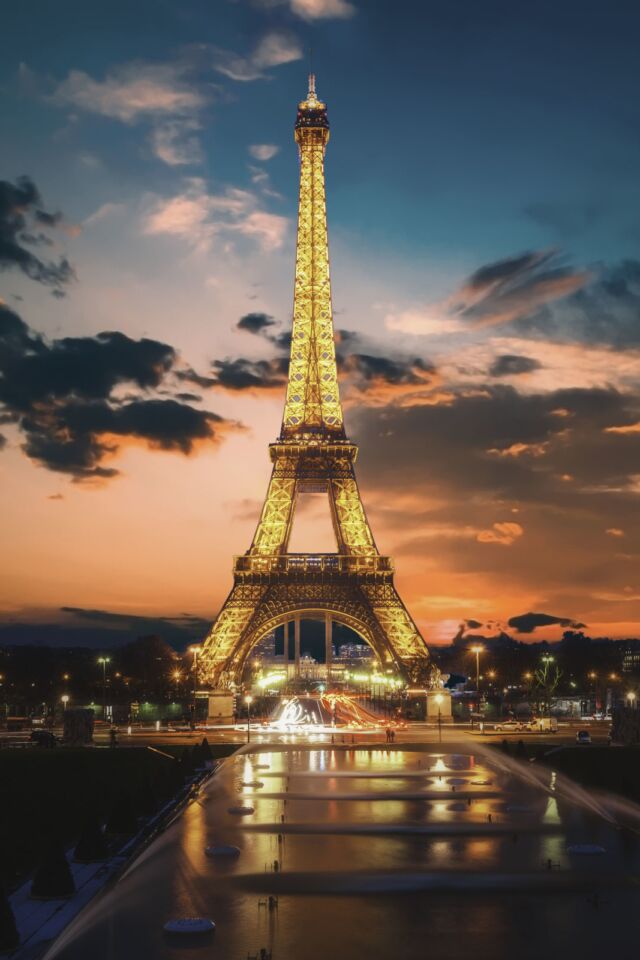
(501, 441)
(528, 622)
(243, 374)
(63, 396)
(503, 271)
(88, 367)
(509, 365)
(371, 377)
(128, 619)
(282, 341)
(605, 312)
(76, 437)
(188, 397)
(20, 205)
(391, 371)
(512, 493)
(103, 629)
(255, 323)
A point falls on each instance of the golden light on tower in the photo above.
(354, 585)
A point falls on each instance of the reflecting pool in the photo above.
(374, 853)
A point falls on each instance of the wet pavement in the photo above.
(376, 853)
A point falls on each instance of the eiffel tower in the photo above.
(271, 585)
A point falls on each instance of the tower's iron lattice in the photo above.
(271, 585)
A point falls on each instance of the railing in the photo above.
(308, 564)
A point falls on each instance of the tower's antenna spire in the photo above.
(312, 87)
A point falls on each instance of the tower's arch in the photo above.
(360, 627)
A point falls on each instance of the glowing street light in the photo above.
(104, 661)
(65, 700)
(631, 698)
(248, 700)
(477, 649)
(195, 651)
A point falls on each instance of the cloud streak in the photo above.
(496, 294)
(273, 50)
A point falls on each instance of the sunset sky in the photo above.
(483, 195)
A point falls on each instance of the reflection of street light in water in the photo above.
(438, 699)
(248, 700)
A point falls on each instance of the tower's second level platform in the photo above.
(311, 567)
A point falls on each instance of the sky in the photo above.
(483, 193)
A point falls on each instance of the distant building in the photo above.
(631, 657)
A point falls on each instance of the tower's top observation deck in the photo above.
(312, 113)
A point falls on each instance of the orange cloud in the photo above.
(627, 429)
(520, 449)
(503, 533)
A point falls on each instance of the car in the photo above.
(510, 725)
(583, 736)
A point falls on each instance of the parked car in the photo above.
(583, 736)
(509, 725)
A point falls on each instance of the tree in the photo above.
(547, 677)
(122, 821)
(92, 845)
(53, 879)
(9, 937)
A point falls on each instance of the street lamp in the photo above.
(104, 661)
(477, 649)
(65, 700)
(195, 651)
(631, 697)
(438, 699)
(248, 700)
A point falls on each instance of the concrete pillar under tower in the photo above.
(328, 643)
(296, 641)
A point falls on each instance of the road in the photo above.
(414, 733)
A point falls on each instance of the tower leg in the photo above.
(296, 641)
(328, 643)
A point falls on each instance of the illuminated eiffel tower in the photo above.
(271, 585)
